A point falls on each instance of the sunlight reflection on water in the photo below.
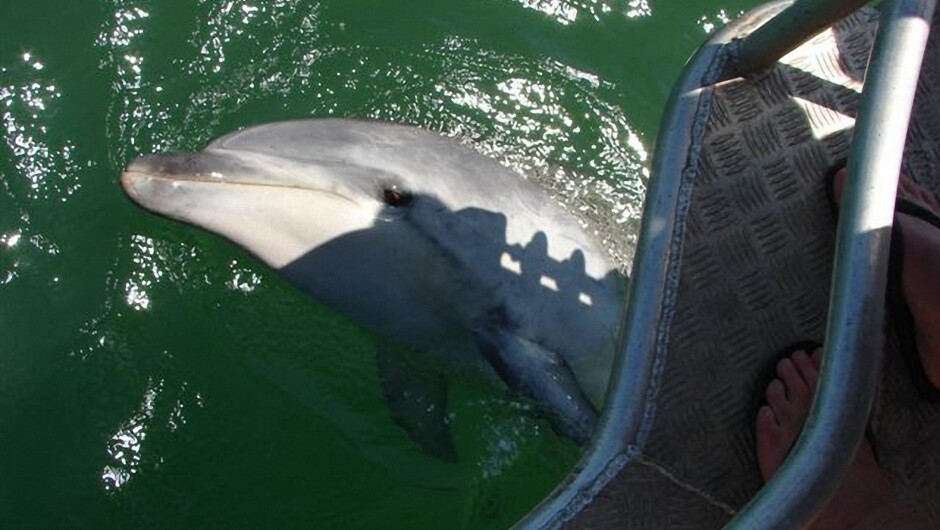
(147, 272)
(43, 166)
(719, 19)
(126, 446)
(174, 78)
(541, 116)
(545, 119)
(28, 101)
(567, 11)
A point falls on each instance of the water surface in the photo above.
(155, 376)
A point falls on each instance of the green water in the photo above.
(154, 376)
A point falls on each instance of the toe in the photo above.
(792, 379)
(771, 445)
(766, 420)
(777, 400)
(817, 357)
(776, 394)
(808, 367)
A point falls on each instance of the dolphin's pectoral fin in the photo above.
(542, 375)
(418, 402)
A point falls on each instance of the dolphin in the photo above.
(420, 239)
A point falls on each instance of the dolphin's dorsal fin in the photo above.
(418, 402)
(539, 374)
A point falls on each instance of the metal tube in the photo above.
(786, 31)
(624, 422)
(851, 364)
(628, 390)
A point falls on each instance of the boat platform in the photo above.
(739, 258)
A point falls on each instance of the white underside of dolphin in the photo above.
(417, 238)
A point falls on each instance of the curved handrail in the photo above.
(851, 364)
(625, 419)
(786, 31)
(850, 371)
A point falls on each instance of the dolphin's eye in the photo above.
(395, 197)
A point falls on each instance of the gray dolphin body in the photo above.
(418, 238)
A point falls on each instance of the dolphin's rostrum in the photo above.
(418, 238)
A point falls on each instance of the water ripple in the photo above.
(567, 11)
(125, 447)
(29, 99)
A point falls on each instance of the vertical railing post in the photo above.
(851, 363)
(792, 27)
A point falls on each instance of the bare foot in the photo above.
(919, 279)
(864, 499)
(788, 400)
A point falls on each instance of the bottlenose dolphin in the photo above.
(418, 238)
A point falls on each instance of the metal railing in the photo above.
(784, 32)
(850, 368)
(851, 363)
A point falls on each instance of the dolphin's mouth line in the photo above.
(200, 179)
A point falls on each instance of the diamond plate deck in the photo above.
(756, 260)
